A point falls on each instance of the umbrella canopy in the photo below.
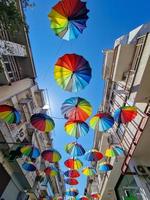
(72, 72)
(9, 114)
(125, 114)
(93, 155)
(72, 192)
(42, 122)
(68, 18)
(72, 173)
(83, 198)
(30, 151)
(29, 166)
(51, 171)
(51, 155)
(73, 163)
(114, 151)
(95, 196)
(76, 128)
(76, 108)
(102, 122)
(71, 181)
(74, 149)
(104, 167)
(89, 171)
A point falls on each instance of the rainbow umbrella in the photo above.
(30, 151)
(74, 149)
(71, 181)
(9, 114)
(105, 167)
(51, 155)
(89, 171)
(68, 18)
(76, 128)
(73, 163)
(29, 166)
(83, 198)
(76, 108)
(93, 155)
(102, 122)
(72, 173)
(125, 114)
(42, 122)
(72, 192)
(95, 196)
(72, 72)
(51, 171)
(114, 151)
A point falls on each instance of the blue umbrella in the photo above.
(105, 167)
(74, 149)
(29, 166)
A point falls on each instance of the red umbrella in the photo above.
(72, 173)
(71, 181)
(73, 163)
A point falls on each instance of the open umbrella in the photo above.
(74, 149)
(42, 122)
(73, 163)
(95, 195)
(29, 166)
(76, 128)
(51, 171)
(114, 151)
(93, 155)
(9, 114)
(72, 192)
(51, 155)
(102, 122)
(68, 18)
(105, 167)
(30, 151)
(83, 198)
(71, 181)
(72, 72)
(72, 173)
(76, 108)
(125, 114)
(89, 171)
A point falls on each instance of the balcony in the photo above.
(39, 95)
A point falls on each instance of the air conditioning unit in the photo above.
(141, 170)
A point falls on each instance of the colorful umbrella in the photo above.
(114, 151)
(51, 155)
(76, 128)
(68, 18)
(104, 167)
(125, 114)
(72, 192)
(51, 171)
(76, 108)
(93, 155)
(29, 166)
(83, 198)
(71, 181)
(102, 122)
(58, 198)
(95, 195)
(73, 163)
(89, 171)
(74, 149)
(42, 122)
(30, 151)
(72, 173)
(72, 72)
(9, 114)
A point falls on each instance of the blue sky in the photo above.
(108, 19)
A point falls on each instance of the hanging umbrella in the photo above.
(114, 151)
(95, 196)
(72, 173)
(76, 108)
(72, 192)
(83, 198)
(58, 198)
(72, 72)
(71, 181)
(73, 163)
(76, 128)
(9, 114)
(42, 122)
(29, 166)
(72, 198)
(102, 122)
(93, 155)
(125, 114)
(30, 151)
(68, 18)
(104, 167)
(51, 171)
(89, 171)
(74, 149)
(51, 155)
